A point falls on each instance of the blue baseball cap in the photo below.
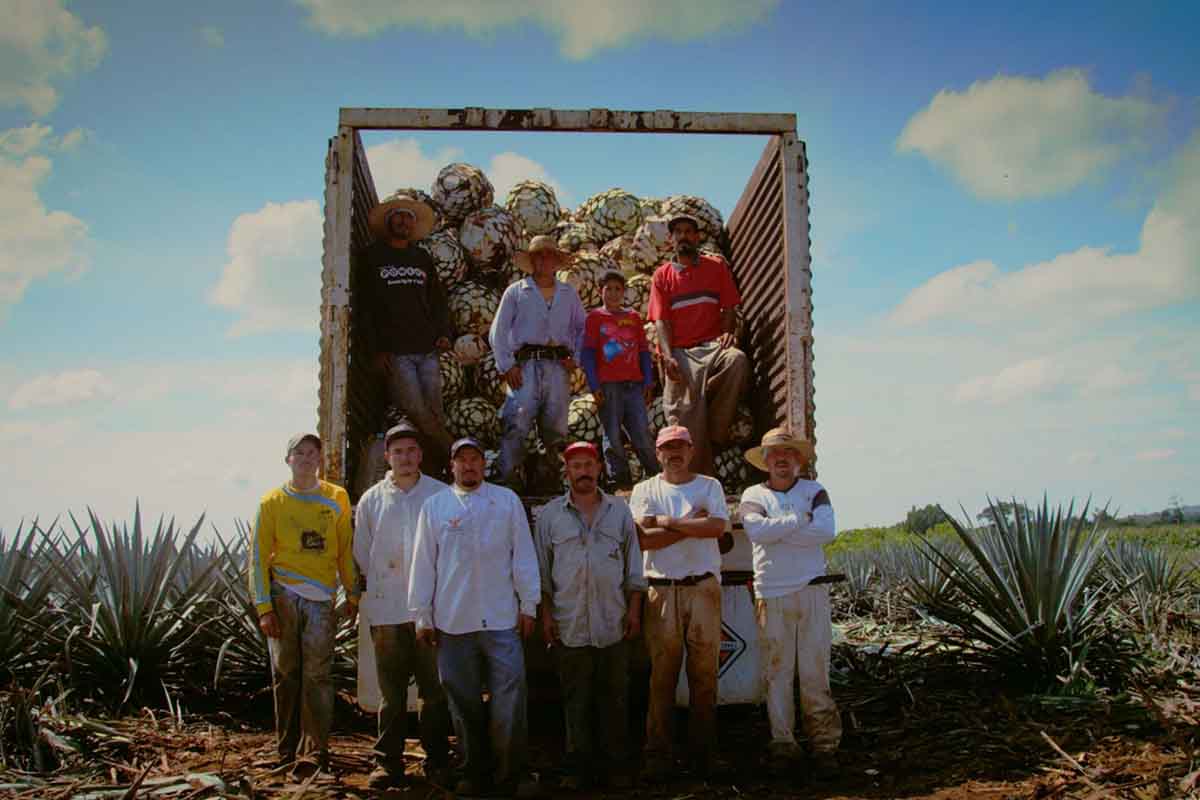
(466, 441)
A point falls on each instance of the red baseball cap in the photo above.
(580, 447)
(673, 433)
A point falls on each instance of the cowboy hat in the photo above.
(542, 244)
(423, 216)
(783, 438)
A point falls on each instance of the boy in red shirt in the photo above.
(616, 360)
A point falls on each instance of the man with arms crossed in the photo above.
(682, 515)
(300, 548)
(475, 590)
(384, 540)
(592, 586)
(788, 519)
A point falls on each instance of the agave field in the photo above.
(1038, 657)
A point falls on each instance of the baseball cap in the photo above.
(673, 433)
(295, 441)
(399, 430)
(675, 218)
(580, 447)
(466, 441)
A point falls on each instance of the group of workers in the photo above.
(451, 579)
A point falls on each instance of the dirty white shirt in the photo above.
(690, 556)
(787, 531)
(385, 533)
(474, 567)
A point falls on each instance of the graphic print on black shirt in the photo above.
(406, 300)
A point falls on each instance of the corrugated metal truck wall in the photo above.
(756, 248)
(768, 240)
(347, 404)
(365, 395)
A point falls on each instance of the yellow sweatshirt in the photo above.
(302, 538)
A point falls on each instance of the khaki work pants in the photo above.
(683, 622)
(795, 637)
(705, 401)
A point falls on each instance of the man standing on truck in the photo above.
(474, 590)
(616, 360)
(407, 312)
(788, 520)
(592, 586)
(682, 515)
(383, 548)
(692, 302)
(299, 549)
(535, 337)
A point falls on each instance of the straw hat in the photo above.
(542, 244)
(423, 216)
(779, 437)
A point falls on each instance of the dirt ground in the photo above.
(944, 733)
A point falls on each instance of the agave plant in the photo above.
(242, 662)
(1028, 594)
(126, 627)
(25, 586)
(1158, 578)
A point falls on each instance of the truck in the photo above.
(770, 258)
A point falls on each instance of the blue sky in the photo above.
(1005, 221)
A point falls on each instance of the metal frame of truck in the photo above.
(768, 238)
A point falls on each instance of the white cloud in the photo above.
(41, 43)
(220, 461)
(1017, 381)
(212, 36)
(1084, 458)
(61, 389)
(73, 138)
(35, 242)
(401, 164)
(1162, 454)
(508, 169)
(1090, 281)
(1111, 378)
(1013, 137)
(583, 27)
(273, 276)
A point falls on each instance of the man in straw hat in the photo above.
(535, 337)
(299, 550)
(692, 302)
(592, 586)
(682, 516)
(788, 519)
(407, 315)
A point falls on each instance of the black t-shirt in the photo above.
(405, 299)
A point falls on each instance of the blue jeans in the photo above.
(624, 407)
(543, 397)
(415, 385)
(303, 659)
(467, 663)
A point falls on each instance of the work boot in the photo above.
(783, 756)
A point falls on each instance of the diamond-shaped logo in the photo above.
(732, 647)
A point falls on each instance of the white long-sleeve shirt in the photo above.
(787, 531)
(474, 567)
(385, 533)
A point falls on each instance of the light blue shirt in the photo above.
(524, 317)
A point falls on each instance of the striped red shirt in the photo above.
(692, 298)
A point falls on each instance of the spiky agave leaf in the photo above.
(125, 629)
(26, 581)
(1159, 579)
(1027, 593)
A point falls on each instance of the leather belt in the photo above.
(690, 580)
(532, 352)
